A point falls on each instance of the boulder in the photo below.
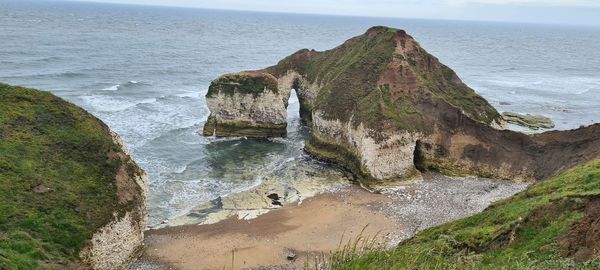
(528, 120)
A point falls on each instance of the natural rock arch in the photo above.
(379, 98)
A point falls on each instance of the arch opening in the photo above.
(293, 112)
(418, 157)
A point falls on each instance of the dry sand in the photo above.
(316, 226)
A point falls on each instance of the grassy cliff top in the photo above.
(554, 224)
(380, 78)
(57, 179)
(253, 83)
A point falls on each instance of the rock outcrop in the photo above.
(71, 197)
(246, 104)
(384, 108)
(528, 120)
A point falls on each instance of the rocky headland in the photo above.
(71, 196)
(386, 110)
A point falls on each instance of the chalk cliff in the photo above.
(246, 104)
(385, 109)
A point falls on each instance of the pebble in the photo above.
(440, 199)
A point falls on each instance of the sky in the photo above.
(583, 12)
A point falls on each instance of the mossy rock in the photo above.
(253, 83)
(528, 120)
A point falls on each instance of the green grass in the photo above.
(444, 83)
(253, 84)
(400, 112)
(46, 140)
(349, 78)
(520, 232)
(349, 74)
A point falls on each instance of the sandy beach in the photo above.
(317, 226)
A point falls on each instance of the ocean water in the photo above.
(145, 70)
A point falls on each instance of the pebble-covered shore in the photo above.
(398, 211)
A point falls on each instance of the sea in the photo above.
(144, 71)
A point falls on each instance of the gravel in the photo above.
(439, 199)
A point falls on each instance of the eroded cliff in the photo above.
(71, 196)
(384, 108)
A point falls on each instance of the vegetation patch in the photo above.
(57, 181)
(400, 113)
(445, 84)
(349, 75)
(245, 129)
(243, 83)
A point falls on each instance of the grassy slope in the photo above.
(45, 140)
(341, 74)
(349, 76)
(346, 85)
(520, 232)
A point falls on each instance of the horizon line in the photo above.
(329, 14)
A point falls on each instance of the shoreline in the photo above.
(316, 226)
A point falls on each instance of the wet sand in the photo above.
(316, 226)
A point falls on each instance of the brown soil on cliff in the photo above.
(465, 146)
(583, 240)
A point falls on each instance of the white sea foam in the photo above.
(181, 169)
(112, 88)
(104, 103)
(224, 139)
(587, 90)
(189, 95)
(120, 86)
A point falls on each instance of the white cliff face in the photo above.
(390, 158)
(266, 107)
(117, 244)
(307, 91)
(285, 84)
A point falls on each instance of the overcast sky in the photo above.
(542, 11)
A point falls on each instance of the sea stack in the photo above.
(246, 104)
(385, 109)
(71, 196)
